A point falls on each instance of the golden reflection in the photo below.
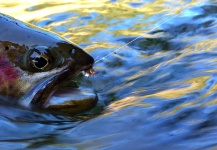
(196, 83)
(176, 109)
(95, 46)
(128, 101)
(212, 102)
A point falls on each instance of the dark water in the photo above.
(159, 92)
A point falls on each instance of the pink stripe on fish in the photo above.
(8, 72)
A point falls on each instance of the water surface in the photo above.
(158, 92)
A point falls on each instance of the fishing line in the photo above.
(157, 26)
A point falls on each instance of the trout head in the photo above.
(34, 63)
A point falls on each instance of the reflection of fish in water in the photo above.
(34, 63)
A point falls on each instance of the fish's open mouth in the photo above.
(69, 100)
(73, 100)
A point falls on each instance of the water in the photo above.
(159, 92)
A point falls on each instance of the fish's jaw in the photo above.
(44, 85)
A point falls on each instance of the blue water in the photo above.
(158, 92)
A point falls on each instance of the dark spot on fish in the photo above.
(28, 36)
(6, 48)
(10, 87)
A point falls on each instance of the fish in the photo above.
(35, 63)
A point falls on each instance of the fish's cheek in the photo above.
(9, 76)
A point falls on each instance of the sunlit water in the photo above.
(159, 92)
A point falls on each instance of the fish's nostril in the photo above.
(6, 48)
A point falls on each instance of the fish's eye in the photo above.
(40, 59)
(40, 62)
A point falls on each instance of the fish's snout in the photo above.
(84, 59)
(81, 57)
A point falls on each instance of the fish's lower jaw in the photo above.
(72, 100)
(65, 101)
